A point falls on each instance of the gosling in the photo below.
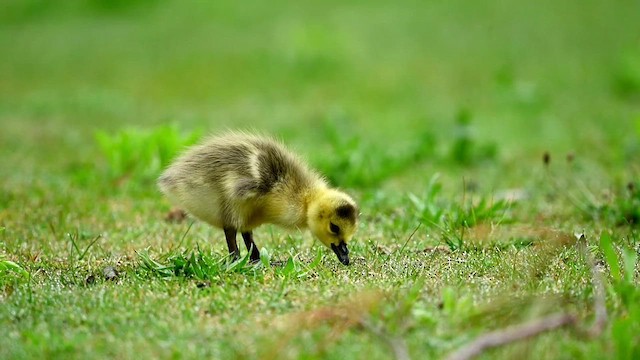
(239, 181)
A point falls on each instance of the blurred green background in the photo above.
(547, 75)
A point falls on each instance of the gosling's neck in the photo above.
(312, 195)
(291, 208)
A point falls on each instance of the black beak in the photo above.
(342, 252)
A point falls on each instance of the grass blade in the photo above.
(606, 246)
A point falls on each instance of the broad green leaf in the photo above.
(7, 265)
(630, 257)
(606, 246)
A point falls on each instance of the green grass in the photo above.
(434, 115)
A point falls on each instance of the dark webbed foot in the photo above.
(230, 235)
(251, 246)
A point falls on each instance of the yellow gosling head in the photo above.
(333, 218)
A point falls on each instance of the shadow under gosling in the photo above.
(238, 181)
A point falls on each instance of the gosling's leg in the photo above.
(251, 246)
(230, 235)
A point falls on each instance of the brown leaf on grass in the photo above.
(175, 216)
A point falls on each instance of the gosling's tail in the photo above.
(166, 183)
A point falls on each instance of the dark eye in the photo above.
(335, 229)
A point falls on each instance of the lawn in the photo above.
(481, 140)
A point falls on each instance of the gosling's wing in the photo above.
(271, 169)
(246, 189)
(263, 170)
(239, 166)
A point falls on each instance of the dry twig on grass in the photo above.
(538, 326)
(397, 344)
(599, 305)
(600, 321)
(512, 334)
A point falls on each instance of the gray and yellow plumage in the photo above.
(238, 181)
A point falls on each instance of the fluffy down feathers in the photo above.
(239, 181)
